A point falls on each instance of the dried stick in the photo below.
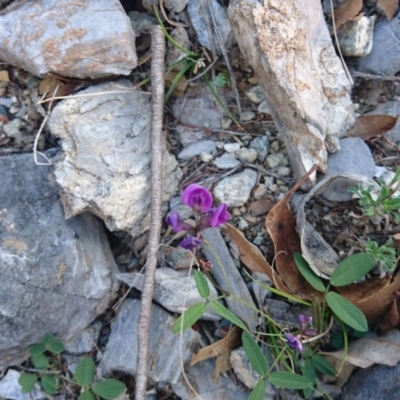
(157, 84)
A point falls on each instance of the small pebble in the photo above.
(275, 146)
(236, 212)
(226, 123)
(274, 160)
(226, 161)
(231, 147)
(274, 188)
(243, 225)
(284, 171)
(258, 241)
(260, 191)
(283, 188)
(248, 115)
(261, 145)
(250, 218)
(206, 157)
(255, 94)
(195, 149)
(246, 155)
(264, 107)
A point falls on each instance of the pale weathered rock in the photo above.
(76, 39)
(105, 167)
(356, 37)
(172, 288)
(10, 389)
(226, 161)
(85, 341)
(246, 155)
(261, 145)
(120, 354)
(289, 47)
(57, 275)
(255, 94)
(201, 18)
(228, 277)
(235, 190)
(175, 5)
(195, 149)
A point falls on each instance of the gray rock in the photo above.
(175, 54)
(275, 159)
(172, 288)
(195, 149)
(120, 354)
(10, 389)
(226, 161)
(390, 108)
(228, 277)
(356, 37)
(85, 341)
(231, 147)
(141, 22)
(261, 145)
(235, 190)
(201, 17)
(247, 155)
(264, 108)
(248, 115)
(255, 94)
(384, 59)
(175, 5)
(81, 40)
(353, 158)
(378, 381)
(201, 378)
(105, 167)
(57, 275)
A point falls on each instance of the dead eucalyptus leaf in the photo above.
(263, 205)
(54, 87)
(222, 350)
(389, 7)
(252, 257)
(372, 349)
(369, 126)
(347, 11)
(391, 319)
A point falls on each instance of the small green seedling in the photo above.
(385, 256)
(50, 380)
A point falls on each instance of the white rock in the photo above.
(226, 161)
(10, 389)
(243, 224)
(264, 107)
(260, 191)
(248, 115)
(356, 37)
(76, 39)
(235, 190)
(255, 94)
(274, 160)
(175, 5)
(247, 155)
(206, 157)
(284, 171)
(231, 147)
(195, 149)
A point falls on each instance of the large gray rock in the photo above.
(120, 354)
(105, 167)
(56, 275)
(89, 39)
(384, 59)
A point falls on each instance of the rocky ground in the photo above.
(75, 120)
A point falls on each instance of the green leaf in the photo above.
(289, 380)
(308, 274)
(225, 313)
(40, 361)
(323, 365)
(201, 284)
(57, 347)
(109, 389)
(352, 269)
(84, 372)
(190, 316)
(36, 349)
(50, 384)
(347, 312)
(258, 393)
(27, 381)
(254, 354)
(86, 395)
(48, 339)
(309, 372)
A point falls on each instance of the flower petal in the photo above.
(174, 221)
(190, 242)
(197, 197)
(219, 215)
(294, 342)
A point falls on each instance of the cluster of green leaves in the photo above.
(385, 256)
(50, 379)
(348, 271)
(384, 203)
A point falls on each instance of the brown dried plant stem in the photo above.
(157, 83)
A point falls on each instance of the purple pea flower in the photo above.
(294, 342)
(197, 197)
(190, 242)
(219, 215)
(305, 319)
(174, 221)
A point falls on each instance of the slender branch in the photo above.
(157, 83)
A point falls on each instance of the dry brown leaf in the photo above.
(221, 349)
(252, 257)
(181, 86)
(391, 319)
(372, 349)
(281, 226)
(4, 76)
(389, 7)
(347, 11)
(263, 205)
(49, 85)
(369, 126)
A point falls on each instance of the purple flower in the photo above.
(190, 242)
(294, 342)
(174, 221)
(219, 215)
(305, 319)
(197, 197)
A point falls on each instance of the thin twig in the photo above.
(157, 83)
(372, 76)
